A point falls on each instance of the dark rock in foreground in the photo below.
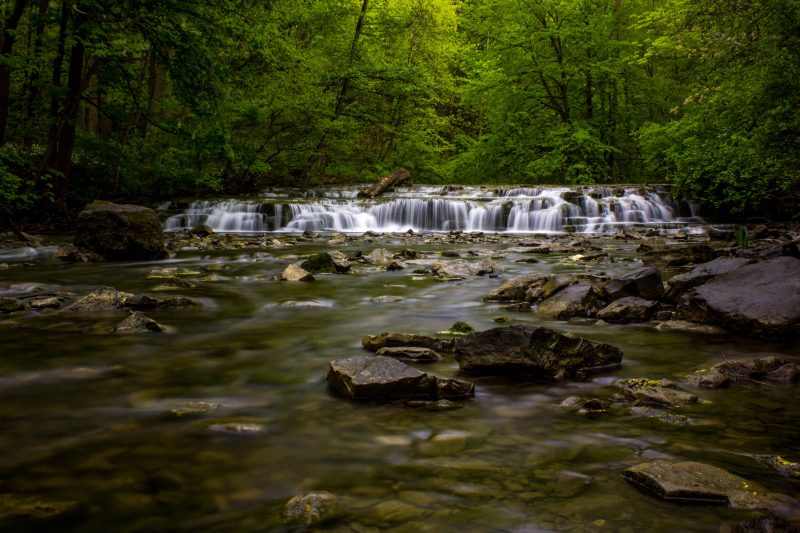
(374, 343)
(120, 231)
(573, 301)
(532, 351)
(378, 378)
(698, 482)
(644, 283)
(702, 273)
(762, 299)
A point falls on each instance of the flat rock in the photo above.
(532, 351)
(138, 322)
(693, 481)
(628, 309)
(515, 289)
(573, 301)
(421, 355)
(760, 299)
(655, 393)
(702, 273)
(295, 273)
(378, 378)
(758, 369)
(103, 299)
(390, 340)
(644, 283)
(459, 268)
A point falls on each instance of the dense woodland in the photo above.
(146, 99)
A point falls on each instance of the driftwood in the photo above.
(398, 177)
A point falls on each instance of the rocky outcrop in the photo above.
(374, 343)
(573, 301)
(531, 351)
(295, 273)
(377, 378)
(760, 299)
(120, 231)
(681, 283)
(628, 309)
(516, 289)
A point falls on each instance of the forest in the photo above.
(151, 99)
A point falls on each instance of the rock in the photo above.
(444, 443)
(138, 322)
(340, 261)
(395, 266)
(120, 232)
(693, 481)
(532, 351)
(148, 302)
(753, 370)
(295, 273)
(174, 283)
(321, 263)
(554, 284)
(380, 378)
(242, 428)
(11, 305)
(780, 465)
(644, 283)
(681, 283)
(26, 513)
(420, 355)
(46, 302)
(387, 299)
(460, 269)
(380, 257)
(72, 254)
(376, 342)
(397, 511)
(459, 328)
(655, 393)
(201, 230)
(104, 299)
(689, 327)
(760, 299)
(628, 309)
(516, 289)
(768, 524)
(312, 508)
(679, 255)
(573, 301)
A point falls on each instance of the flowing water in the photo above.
(137, 428)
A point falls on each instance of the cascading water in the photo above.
(516, 210)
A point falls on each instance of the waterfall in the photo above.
(431, 209)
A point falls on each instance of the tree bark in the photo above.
(398, 177)
(7, 47)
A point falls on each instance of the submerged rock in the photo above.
(532, 351)
(28, 512)
(628, 309)
(420, 355)
(312, 508)
(655, 393)
(104, 299)
(70, 253)
(138, 322)
(120, 232)
(700, 482)
(759, 369)
(760, 299)
(376, 342)
(381, 378)
(46, 302)
(573, 301)
(295, 273)
(516, 289)
(11, 305)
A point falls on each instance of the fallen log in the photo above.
(398, 177)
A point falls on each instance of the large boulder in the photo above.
(644, 283)
(378, 378)
(681, 283)
(515, 289)
(573, 301)
(120, 231)
(628, 309)
(761, 299)
(532, 351)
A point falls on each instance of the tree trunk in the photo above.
(10, 27)
(399, 176)
(35, 91)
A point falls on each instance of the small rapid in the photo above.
(432, 209)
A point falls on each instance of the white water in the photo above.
(425, 209)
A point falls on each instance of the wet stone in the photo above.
(574, 301)
(138, 322)
(516, 289)
(376, 342)
(312, 508)
(295, 273)
(628, 309)
(11, 305)
(104, 299)
(420, 355)
(47, 302)
(656, 393)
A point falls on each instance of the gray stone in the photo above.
(380, 257)
(459, 268)
(644, 283)
(516, 289)
(120, 232)
(702, 273)
(767, 368)
(628, 309)
(689, 327)
(138, 322)
(380, 378)
(420, 355)
(761, 299)
(376, 342)
(573, 301)
(533, 352)
(312, 508)
(295, 273)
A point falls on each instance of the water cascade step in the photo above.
(583, 209)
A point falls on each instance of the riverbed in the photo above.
(214, 425)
